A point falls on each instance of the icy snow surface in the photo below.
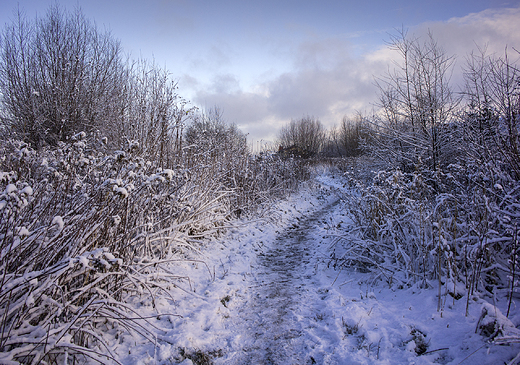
(264, 294)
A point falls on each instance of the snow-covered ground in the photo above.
(264, 293)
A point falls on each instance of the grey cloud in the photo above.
(190, 82)
(239, 107)
(214, 59)
(225, 84)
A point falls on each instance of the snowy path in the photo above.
(265, 295)
(276, 325)
(299, 311)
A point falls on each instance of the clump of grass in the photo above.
(199, 357)
(421, 345)
(349, 328)
(225, 300)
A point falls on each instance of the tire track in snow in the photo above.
(271, 317)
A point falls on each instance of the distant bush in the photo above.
(305, 136)
(346, 140)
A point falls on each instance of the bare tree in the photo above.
(346, 139)
(351, 131)
(210, 135)
(58, 75)
(155, 114)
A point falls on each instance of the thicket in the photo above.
(307, 138)
(304, 138)
(107, 177)
(84, 232)
(447, 209)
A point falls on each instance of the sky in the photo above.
(266, 62)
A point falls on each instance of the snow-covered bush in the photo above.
(446, 205)
(85, 231)
(458, 227)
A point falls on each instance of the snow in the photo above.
(10, 188)
(121, 191)
(266, 292)
(116, 220)
(27, 191)
(23, 231)
(58, 221)
(83, 260)
(170, 174)
(30, 300)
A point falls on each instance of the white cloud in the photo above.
(495, 28)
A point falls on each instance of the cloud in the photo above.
(492, 30)
(326, 83)
(495, 28)
(216, 58)
(225, 84)
(239, 107)
(325, 94)
(328, 80)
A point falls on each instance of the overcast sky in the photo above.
(265, 62)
